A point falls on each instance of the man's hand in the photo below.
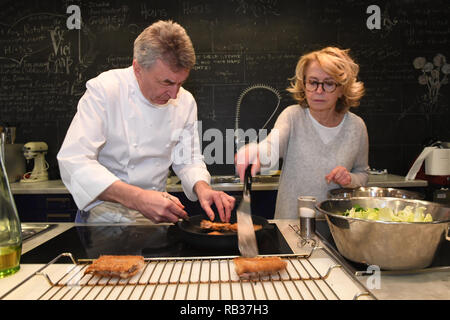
(207, 196)
(160, 206)
(339, 175)
(154, 205)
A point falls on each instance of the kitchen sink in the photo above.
(236, 180)
(31, 229)
(224, 179)
(233, 179)
(266, 179)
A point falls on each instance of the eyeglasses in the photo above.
(327, 86)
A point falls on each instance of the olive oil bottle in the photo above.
(10, 229)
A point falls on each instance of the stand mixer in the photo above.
(37, 151)
(435, 170)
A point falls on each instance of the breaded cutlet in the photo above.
(116, 266)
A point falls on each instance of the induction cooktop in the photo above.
(89, 242)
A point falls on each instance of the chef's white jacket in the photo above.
(117, 134)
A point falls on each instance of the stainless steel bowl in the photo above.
(346, 193)
(389, 245)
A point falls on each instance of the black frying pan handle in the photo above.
(248, 180)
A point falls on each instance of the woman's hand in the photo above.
(339, 175)
(247, 155)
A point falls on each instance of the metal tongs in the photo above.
(246, 232)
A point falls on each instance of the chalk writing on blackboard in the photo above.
(433, 75)
(257, 8)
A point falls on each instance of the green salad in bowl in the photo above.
(408, 214)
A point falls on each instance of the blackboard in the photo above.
(239, 43)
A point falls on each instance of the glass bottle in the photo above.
(10, 228)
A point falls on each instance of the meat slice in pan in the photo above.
(223, 226)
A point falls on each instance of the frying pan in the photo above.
(194, 235)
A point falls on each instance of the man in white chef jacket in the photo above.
(131, 125)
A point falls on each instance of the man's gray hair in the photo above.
(167, 41)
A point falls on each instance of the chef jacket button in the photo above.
(135, 144)
(132, 166)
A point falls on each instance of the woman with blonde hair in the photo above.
(323, 145)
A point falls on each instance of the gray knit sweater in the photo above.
(307, 160)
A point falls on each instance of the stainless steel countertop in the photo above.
(430, 285)
(57, 187)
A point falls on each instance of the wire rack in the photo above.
(313, 276)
